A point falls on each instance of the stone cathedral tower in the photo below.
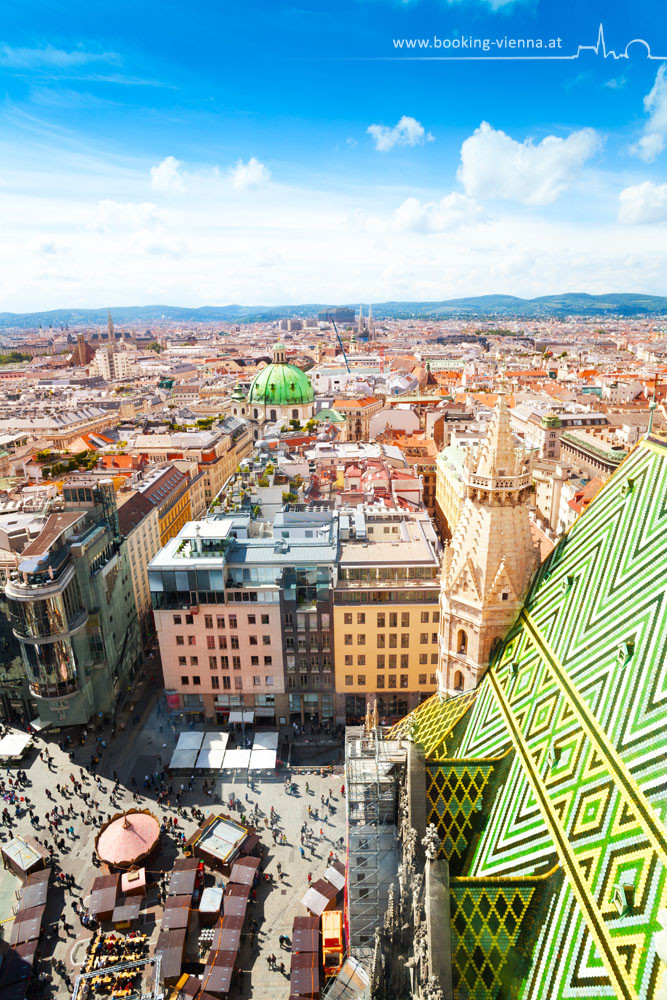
(490, 560)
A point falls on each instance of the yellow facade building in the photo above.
(386, 613)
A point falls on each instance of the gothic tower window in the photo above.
(462, 642)
(458, 681)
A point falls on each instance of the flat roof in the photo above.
(222, 838)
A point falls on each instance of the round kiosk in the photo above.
(128, 838)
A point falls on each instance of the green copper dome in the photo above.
(282, 385)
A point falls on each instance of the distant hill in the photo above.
(505, 306)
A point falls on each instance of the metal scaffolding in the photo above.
(373, 767)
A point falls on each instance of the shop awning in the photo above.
(190, 741)
(245, 716)
(38, 725)
(183, 760)
(262, 760)
(265, 741)
(14, 744)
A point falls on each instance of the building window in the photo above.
(435, 617)
(257, 681)
(182, 660)
(185, 681)
(379, 681)
(194, 661)
(349, 680)
(424, 618)
(232, 621)
(392, 681)
(361, 679)
(252, 619)
(265, 619)
(268, 660)
(393, 619)
(348, 639)
(361, 660)
(224, 662)
(404, 680)
(349, 660)
(381, 621)
(393, 640)
(433, 679)
(361, 618)
(405, 640)
(235, 642)
(404, 661)
(458, 681)
(213, 662)
(380, 662)
(189, 620)
(254, 661)
(434, 659)
(215, 682)
(462, 642)
(380, 641)
(177, 619)
(222, 642)
(361, 639)
(192, 640)
(236, 662)
(423, 659)
(252, 640)
(268, 681)
(238, 683)
(196, 680)
(422, 680)
(180, 640)
(220, 621)
(226, 683)
(208, 621)
(392, 661)
(347, 618)
(210, 642)
(405, 619)
(423, 638)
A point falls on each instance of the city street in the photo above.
(138, 753)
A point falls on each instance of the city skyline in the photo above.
(284, 154)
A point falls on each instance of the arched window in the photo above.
(458, 681)
(295, 414)
(255, 413)
(273, 415)
(462, 642)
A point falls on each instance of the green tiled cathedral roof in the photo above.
(577, 700)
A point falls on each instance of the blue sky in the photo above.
(274, 152)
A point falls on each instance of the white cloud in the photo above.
(451, 212)
(493, 165)
(111, 215)
(49, 57)
(156, 245)
(643, 203)
(168, 176)
(406, 132)
(250, 174)
(652, 142)
(351, 142)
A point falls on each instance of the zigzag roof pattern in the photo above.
(576, 704)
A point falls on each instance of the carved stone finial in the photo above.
(431, 842)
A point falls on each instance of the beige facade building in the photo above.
(358, 414)
(490, 560)
(386, 614)
(139, 524)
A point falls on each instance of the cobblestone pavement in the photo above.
(143, 748)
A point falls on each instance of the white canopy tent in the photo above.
(265, 741)
(14, 744)
(236, 759)
(212, 753)
(189, 741)
(182, 760)
(262, 759)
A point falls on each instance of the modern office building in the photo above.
(242, 611)
(71, 605)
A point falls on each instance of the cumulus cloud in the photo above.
(168, 176)
(493, 165)
(250, 174)
(451, 212)
(406, 132)
(643, 203)
(652, 141)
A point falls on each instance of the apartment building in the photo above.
(71, 605)
(358, 414)
(139, 523)
(386, 613)
(242, 612)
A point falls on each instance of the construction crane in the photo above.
(340, 342)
